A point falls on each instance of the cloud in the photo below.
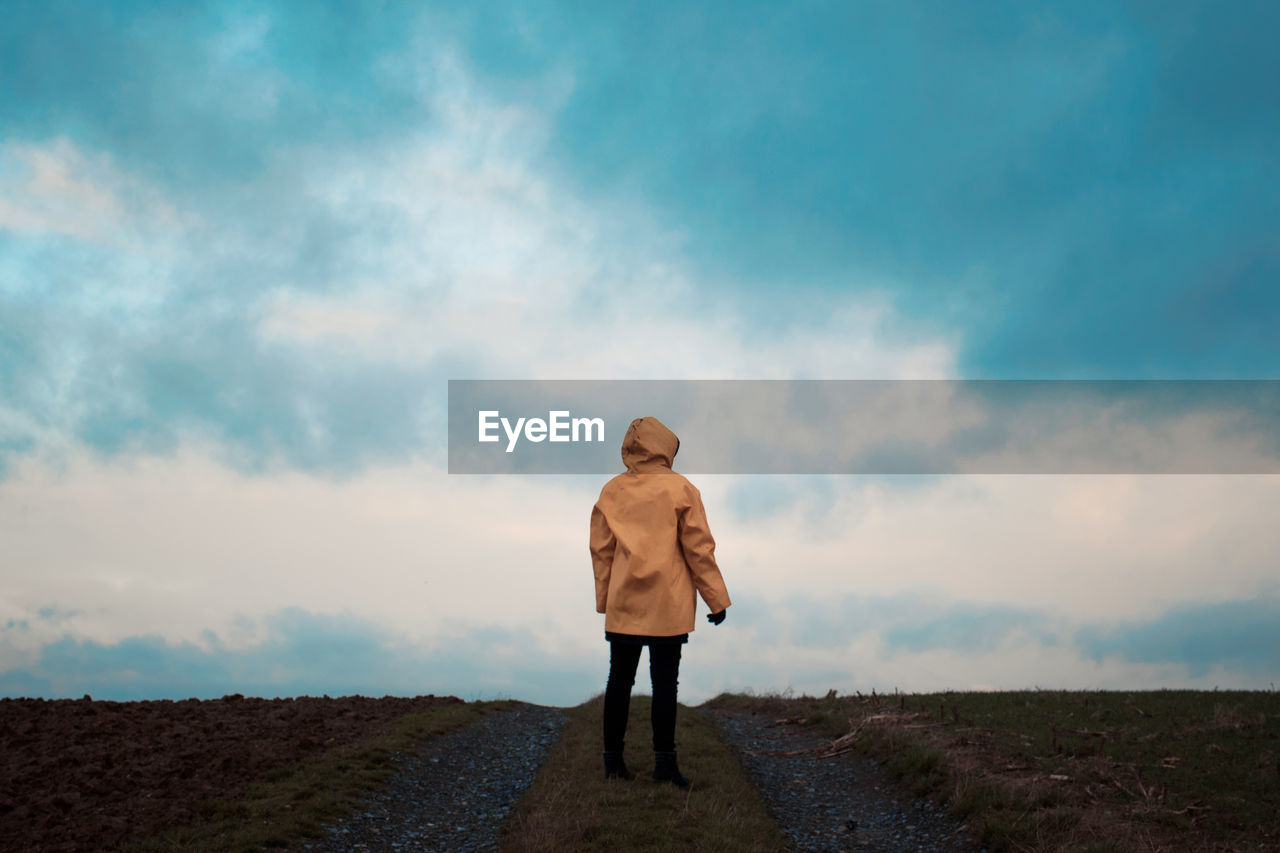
(301, 653)
(1047, 183)
(241, 254)
(1030, 193)
(961, 645)
(1243, 635)
(57, 188)
(199, 97)
(313, 311)
(1089, 546)
(174, 546)
(968, 578)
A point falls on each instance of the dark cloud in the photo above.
(304, 654)
(146, 83)
(1242, 636)
(910, 623)
(307, 653)
(1056, 182)
(1079, 189)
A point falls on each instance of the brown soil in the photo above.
(80, 774)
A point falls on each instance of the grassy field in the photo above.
(1103, 772)
(294, 802)
(570, 805)
(1045, 771)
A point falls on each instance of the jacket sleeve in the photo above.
(700, 554)
(603, 544)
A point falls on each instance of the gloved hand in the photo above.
(716, 618)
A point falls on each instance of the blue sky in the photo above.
(243, 247)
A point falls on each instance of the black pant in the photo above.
(664, 670)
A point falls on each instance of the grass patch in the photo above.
(291, 803)
(570, 805)
(1054, 770)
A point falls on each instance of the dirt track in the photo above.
(834, 802)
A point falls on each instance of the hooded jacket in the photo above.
(650, 544)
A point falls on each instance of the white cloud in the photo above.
(1091, 547)
(62, 188)
(178, 545)
(498, 261)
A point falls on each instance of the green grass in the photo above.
(291, 803)
(570, 805)
(1146, 770)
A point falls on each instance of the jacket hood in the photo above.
(649, 445)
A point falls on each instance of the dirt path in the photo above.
(454, 796)
(846, 802)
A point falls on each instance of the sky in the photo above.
(244, 247)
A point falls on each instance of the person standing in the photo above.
(651, 550)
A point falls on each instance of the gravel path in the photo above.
(848, 802)
(455, 796)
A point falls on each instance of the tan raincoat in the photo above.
(650, 544)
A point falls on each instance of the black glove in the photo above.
(716, 618)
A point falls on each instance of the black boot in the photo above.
(665, 769)
(614, 766)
